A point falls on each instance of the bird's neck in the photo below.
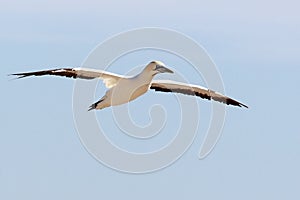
(145, 76)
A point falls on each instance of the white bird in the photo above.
(123, 89)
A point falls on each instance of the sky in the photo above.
(255, 46)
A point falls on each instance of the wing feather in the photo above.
(195, 90)
(109, 79)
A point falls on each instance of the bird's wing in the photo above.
(109, 79)
(195, 90)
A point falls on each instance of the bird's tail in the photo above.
(94, 105)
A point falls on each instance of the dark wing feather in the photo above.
(67, 72)
(194, 90)
(110, 79)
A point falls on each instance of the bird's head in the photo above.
(156, 67)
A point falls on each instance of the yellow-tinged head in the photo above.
(156, 67)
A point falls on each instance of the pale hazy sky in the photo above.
(255, 45)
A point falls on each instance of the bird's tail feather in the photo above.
(94, 105)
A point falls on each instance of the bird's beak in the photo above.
(162, 69)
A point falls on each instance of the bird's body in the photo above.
(123, 89)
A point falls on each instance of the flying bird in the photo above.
(123, 89)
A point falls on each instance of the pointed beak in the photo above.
(162, 69)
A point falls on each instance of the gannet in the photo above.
(123, 89)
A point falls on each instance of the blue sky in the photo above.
(255, 46)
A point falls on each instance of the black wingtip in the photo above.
(243, 105)
(20, 75)
(17, 76)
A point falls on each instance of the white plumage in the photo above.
(123, 89)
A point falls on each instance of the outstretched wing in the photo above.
(195, 90)
(109, 79)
